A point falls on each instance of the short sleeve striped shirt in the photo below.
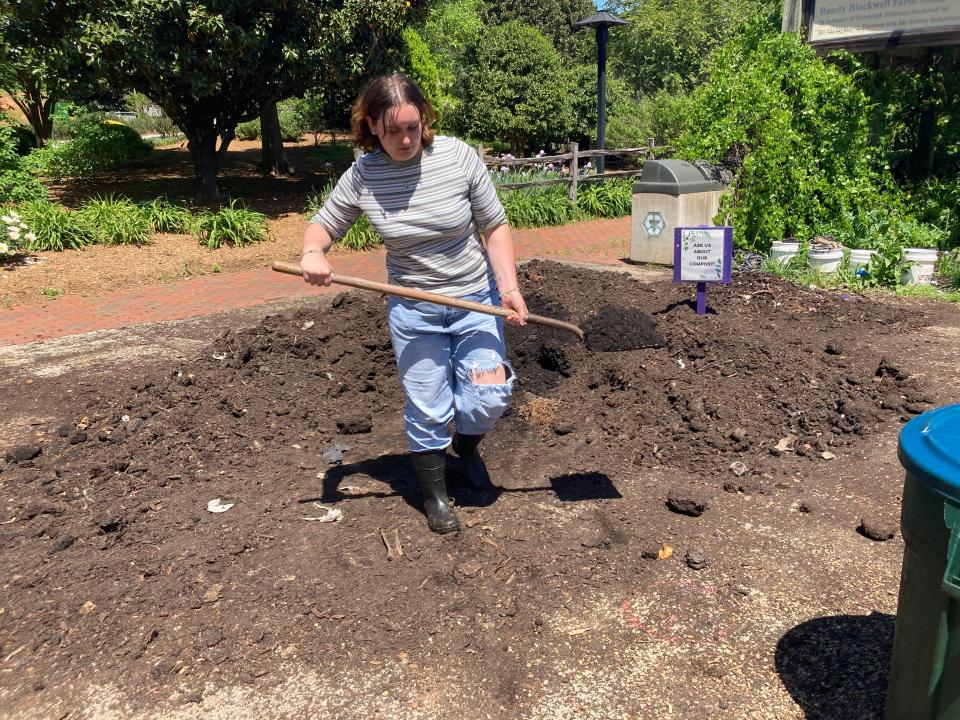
(429, 210)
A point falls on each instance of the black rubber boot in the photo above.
(431, 469)
(465, 446)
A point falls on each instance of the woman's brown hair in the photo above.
(381, 95)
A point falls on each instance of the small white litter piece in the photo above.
(681, 363)
(738, 468)
(331, 514)
(308, 324)
(219, 356)
(215, 506)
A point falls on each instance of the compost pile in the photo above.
(115, 556)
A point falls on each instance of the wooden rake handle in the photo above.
(411, 294)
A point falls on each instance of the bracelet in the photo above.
(307, 252)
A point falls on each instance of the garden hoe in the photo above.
(610, 328)
(411, 294)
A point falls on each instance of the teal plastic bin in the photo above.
(925, 667)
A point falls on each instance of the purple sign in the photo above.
(702, 254)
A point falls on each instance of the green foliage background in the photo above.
(793, 128)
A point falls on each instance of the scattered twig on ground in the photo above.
(394, 549)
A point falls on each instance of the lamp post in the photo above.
(601, 22)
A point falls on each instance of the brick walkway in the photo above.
(597, 241)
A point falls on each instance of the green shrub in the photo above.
(116, 221)
(56, 228)
(248, 130)
(420, 65)
(231, 225)
(24, 139)
(864, 229)
(662, 117)
(606, 198)
(96, 145)
(292, 113)
(361, 236)
(792, 126)
(914, 234)
(167, 217)
(886, 266)
(145, 124)
(16, 183)
(948, 270)
(938, 203)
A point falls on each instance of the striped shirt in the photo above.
(429, 210)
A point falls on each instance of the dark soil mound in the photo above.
(111, 515)
(620, 328)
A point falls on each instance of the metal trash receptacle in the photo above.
(925, 664)
(668, 195)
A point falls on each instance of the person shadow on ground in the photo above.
(837, 668)
(396, 471)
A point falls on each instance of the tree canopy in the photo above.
(520, 88)
(42, 60)
(211, 64)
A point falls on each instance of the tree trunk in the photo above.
(273, 159)
(226, 137)
(36, 108)
(202, 144)
(921, 165)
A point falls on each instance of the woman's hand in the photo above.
(316, 268)
(513, 300)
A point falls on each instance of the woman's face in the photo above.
(399, 131)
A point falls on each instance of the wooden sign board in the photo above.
(862, 25)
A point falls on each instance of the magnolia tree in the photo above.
(213, 64)
(41, 60)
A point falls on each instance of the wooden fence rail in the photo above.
(574, 157)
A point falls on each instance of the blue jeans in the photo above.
(438, 350)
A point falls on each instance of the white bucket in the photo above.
(782, 251)
(860, 258)
(921, 271)
(825, 261)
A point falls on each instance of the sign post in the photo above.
(702, 255)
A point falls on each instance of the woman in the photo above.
(445, 232)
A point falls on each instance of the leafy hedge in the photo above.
(794, 129)
(16, 183)
(95, 145)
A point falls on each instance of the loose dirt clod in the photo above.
(686, 505)
(23, 453)
(696, 560)
(877, 529)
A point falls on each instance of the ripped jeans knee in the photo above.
(482, 396)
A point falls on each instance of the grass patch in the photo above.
(168, 217)
(231, 225)
(56, 228)
(116, 221)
